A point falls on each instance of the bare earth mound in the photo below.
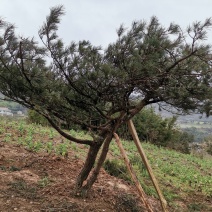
(42, 182)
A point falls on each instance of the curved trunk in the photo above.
(98, 166)
(88, 165)
(90, 161)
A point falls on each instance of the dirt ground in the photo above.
(42, 182)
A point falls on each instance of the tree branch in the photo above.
(66, 135)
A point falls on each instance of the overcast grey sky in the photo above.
(97, 20)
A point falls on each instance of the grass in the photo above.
(181, 176)
(177, 171)
(35, 137)
(22, 189)
(44, 182)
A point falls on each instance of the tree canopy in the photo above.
(102, 89)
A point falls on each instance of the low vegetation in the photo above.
(184, 178)
(151, 127)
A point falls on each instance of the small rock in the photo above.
(2, 157)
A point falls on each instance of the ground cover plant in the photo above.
(100, 90)
(185, 180)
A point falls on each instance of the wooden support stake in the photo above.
(146, 163)
(132, 173)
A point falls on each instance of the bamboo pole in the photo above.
(132, 173)
(147, 164)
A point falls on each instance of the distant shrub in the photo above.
(209, 149)
(180, 141)
(127, 202)
(34, 117)
(117, 169)
(208, 142)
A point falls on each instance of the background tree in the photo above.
(151, 127)
(101, 90)
(34, 117)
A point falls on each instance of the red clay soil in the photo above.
(42, 182)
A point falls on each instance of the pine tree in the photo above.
(100, 90)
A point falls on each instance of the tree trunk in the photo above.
(89, 163)
(98, 166)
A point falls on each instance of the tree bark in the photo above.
(98, 166)
(91, 158)
(89, 163)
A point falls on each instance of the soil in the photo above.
(35, 182)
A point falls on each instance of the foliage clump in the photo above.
(34, 117)
(208, 142)
(116, 168)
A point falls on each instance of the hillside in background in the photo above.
(13, 106)
(198, 125)
(183, 118)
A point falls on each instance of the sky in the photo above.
(98, 20)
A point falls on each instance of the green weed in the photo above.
(22, 189)
(44, 182)
(49, 146)
(62, 149)
(116, 168)
(73, 132)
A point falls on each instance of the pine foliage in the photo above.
(99, 89)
